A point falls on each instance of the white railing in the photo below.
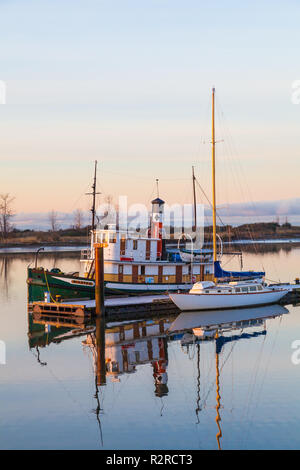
(86, 254)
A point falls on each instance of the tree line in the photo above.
(7, 213)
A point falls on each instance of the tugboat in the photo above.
(133, 265)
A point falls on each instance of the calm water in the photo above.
(160, 391)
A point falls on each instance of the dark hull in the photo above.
(74, 287)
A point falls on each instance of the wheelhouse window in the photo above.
(237, 289)
(252, 289)
(135, 244)
(244, 289)
(123, 246)
(112, 237)
(142, 270)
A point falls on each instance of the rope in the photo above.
(49, 288)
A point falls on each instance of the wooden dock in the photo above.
(115, 308)
(122, 308)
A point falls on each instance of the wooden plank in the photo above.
(160, 275)
(178, 274)
(135, 273)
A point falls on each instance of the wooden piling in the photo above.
(100, 343)
(99, 279)
(100, 314)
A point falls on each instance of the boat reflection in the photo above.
(195, 327)
(122, 348)
(204, 323)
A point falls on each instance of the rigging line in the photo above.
(239, 184)
(74, 400)
(230, 150)
(180, 379)
(210, 204)
(213, 383)
(265, 372)
(162, 406)
(252, 385)
(228, 261)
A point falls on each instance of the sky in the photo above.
(128, 82)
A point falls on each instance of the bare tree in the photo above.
(6, 213)
(53, 216)
(78, 217)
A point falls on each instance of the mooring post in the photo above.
(99, 279)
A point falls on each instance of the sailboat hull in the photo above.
(186, 302)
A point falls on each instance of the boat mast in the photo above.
(94, 193)
(214, 177)
(195, 203)
(94, 197)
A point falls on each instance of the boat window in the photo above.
(259, 288)
(244, 289)
(219, 291)
(142, 270)
(252, 288)
(135, 244)
(229, 290)
(112, 237)
(237, 289)
(122, 246)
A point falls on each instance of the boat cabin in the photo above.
(129, 258)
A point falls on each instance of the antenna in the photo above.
(157, 187)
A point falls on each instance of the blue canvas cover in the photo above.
(219, 272)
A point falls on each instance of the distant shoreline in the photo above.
(74, 248)
(267, 232)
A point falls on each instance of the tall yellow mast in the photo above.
(214, 177)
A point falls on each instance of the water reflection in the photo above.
(5, 275)
(219, 326)
(119, 349)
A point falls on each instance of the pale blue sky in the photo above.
(129, 83)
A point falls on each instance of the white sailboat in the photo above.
(210, 295)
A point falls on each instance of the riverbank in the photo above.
(258, 232)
